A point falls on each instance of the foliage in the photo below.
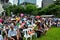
(31, 9)
(15, 9)
(52, 9)
(5, 5)
(57, 2)
(28, 9)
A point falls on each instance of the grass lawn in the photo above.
(52, 34)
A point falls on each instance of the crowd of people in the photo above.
(11, 27)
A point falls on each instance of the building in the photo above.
(18, 2)
(1, 9)
(39, 3)
(35, 2)
(13, 2)
(3, 1)
(28, 1)
(1, 4)
(47, 2)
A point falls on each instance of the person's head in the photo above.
(12, 26)
(5, 25)
(36, 22)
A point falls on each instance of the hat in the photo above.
(11, 25)
(39, 21)
(13, 19)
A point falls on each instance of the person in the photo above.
(1, 20)
(1, 37)
(39, 31)
(12, 33)
(1, 27)
(5, 32)
(17, 18)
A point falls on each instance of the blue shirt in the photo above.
(12, 33)
(1, 37)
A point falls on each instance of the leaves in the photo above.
(28, 9)
(31, 9)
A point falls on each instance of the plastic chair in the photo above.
(26, 35)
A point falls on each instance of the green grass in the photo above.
(52, 34)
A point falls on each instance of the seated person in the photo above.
(12, 34)
(1, 37)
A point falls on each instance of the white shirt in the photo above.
(1, 38)
(12, 33)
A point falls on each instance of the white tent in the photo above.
(47, 15)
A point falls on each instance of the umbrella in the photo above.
(21, 14)
(38, 17)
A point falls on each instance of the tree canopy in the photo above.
(31, 9)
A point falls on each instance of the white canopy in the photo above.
(47, 15)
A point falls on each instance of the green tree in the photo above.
(8, 9)
(15, 9)
(31, 9)
(57, 2)
(52, 9)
